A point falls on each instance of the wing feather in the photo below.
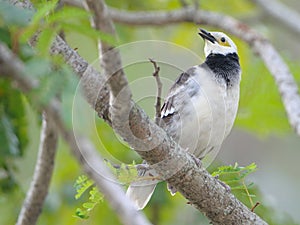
(168, 108)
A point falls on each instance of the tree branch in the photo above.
(39, 186)
(281, 12)
(83, 150)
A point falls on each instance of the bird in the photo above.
(199, 110)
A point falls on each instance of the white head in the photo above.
(217, 43)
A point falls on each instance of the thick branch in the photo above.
(83, 150)
(39, 186)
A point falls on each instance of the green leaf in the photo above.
(13, 119)
(45, 40)
(5, 36)
(82, 184)
(88, 205)
(235, 176)
(68, 13)
(38, 67)
(14, 16)
(13, 133)
(88, 31)
(28, 32)
(8, 138)
(43, 10)
(95, 197)
(82, 214)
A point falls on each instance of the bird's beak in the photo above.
(207, 36)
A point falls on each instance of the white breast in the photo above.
(207, 117)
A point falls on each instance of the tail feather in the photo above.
(140, 195)
(141, 191)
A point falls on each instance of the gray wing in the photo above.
(176, 91)
(178, 97)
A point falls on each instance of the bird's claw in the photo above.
(196, 160)
(224, 185)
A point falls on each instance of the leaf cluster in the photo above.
(125, 174)
(82, 184)
(235, 176)
(53, 78)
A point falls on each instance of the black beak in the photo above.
(206, 35)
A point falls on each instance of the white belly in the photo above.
(208, 117)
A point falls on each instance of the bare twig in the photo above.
(39, 186)
(254, 207)
(82, 149)
(281, 12)
(159, 90)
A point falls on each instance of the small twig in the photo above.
(254, 207)
(159, 90)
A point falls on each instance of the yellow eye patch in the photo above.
(222, 41)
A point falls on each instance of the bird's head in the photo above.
(217, 43)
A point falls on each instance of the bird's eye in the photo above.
(223, 39)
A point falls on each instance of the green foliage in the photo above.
(82, 184)
(53, 77)
(49, 20)
(261, 110)
(235, 176)
(13, 133)
(14, 16)
(229, 7)
(124, 173)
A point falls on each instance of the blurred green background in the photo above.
(261, 133)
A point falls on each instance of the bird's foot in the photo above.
(172, 189)
(224, 185)
(196, 160)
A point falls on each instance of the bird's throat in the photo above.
(225, 67)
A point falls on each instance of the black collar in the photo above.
(226, 67)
